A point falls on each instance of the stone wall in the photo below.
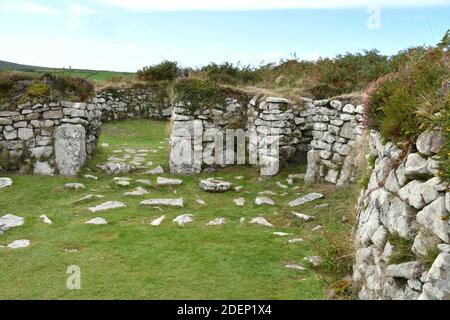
(336, 130)
(402, 231)
(276, 131)
(48, 139)
(134, 102)
(326, 130)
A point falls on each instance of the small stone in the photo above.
(5, 182)
(303, 217)
(238, 188)
(281, 234)
(295, 240)
(314, 260)
(97, 221)
(267, 193)
(74, 186)
(88, 198)
(295, 267)
(123, 183)
(282, 185)
(88, 176)
(214, 185)
(240, 202)
(157, 170)
(318, 227)
(216, 222)
(264, 200)
(183, 219)
(108, 206)
(296, 176)
(105, 145)
(160, 181)
(322, 206)
(201, 202)
(19, 244)
(158, 221)
(239, 177)
(45, 219)
(138, 192)
(308, 198)
(116, 167)
(261, 221)
(145, 182)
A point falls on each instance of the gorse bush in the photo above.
(164, 71)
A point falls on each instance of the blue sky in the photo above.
(125, 35)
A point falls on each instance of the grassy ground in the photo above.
(130, 259)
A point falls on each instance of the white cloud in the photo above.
(183, 5)
(20, 6)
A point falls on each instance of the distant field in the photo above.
(92, 75)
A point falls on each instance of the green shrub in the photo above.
(164, 71)
(402, 249)
(228, 73)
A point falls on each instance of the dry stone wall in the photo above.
(402, 231)
(336, 130)
(135, 102)
(261, 132)
(48, 139)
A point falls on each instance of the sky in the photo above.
(125, 35)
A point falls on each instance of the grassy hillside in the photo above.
(96, 76)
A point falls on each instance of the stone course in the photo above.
(133, 102)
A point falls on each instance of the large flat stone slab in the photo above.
(308, 198)
(215, 185)
(5, 182)
(19, 244)
(70, 149)
(9, 221)
(163, 202)
(161, 182)
(108, 206)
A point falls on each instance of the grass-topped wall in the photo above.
(18, 88)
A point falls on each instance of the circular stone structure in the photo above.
(214, 185)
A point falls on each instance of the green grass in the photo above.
(129, 259)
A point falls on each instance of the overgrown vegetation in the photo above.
(415, 98)
(17, 88)
(164, 71)
(199, 93)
